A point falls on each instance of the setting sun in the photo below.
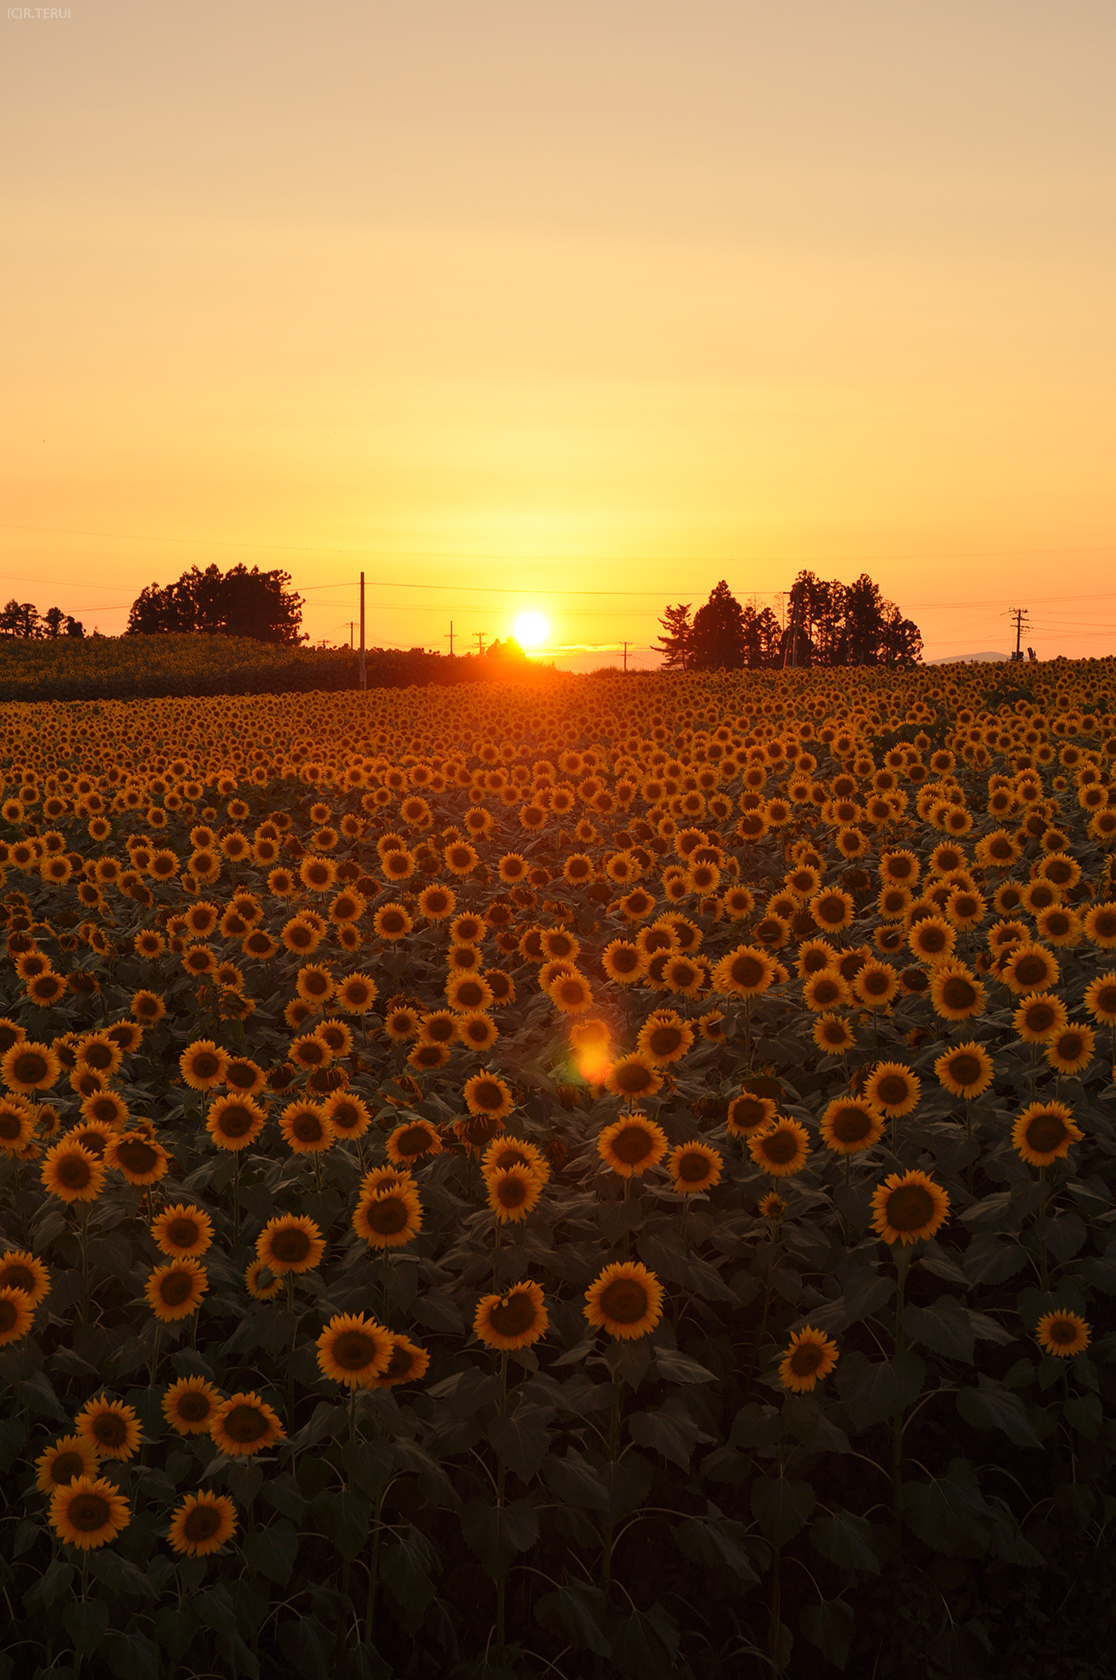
(530, 629)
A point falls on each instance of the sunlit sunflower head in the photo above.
(1030, 968)
(512, 1192)
(175, 1291)
(808, 1360)
(893, 1089)
(137, 1157)
(19, 1269)
(27, 1066)
(626, 1300)
(504, 1152)
(189, 1404)
(203, 1065)
(201, 1524)
(664, 1038)
(956, 995)
(633, 1077)
(1070, 1049)
(408, 1363)
(693, 1167)
(850, 1124)
(261, 1282)
(245, 1424)
(112, 1427)
(746, 972)
(487, 1096)
(833, 1034)
(16, 1315)
(1100, 925)
(234, 1122)
(290, 1243)
(1044, 1132)
(70, 1172)
(1100, 999)
(63, 1461)
(966, 1070)
(908, 1207)
(1062, 1333)
(389, 1217)
(349, 1115)
(88, 1512)
(631, 1145)
(516, 1319)
(781, 1149)
(749, 1113)
(306, 1127)
(825, 991)
(354, 1350)
(411, 1141)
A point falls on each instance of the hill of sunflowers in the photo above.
(599, 1177)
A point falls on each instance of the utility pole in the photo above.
(1019, 614)
(625, 656)
(352, 627)
(451, 638)
(480, 641)
(363, 668)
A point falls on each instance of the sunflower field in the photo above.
(598, 1177)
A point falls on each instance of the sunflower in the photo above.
(388, 1218)
(1038, 1016)
(202, 1523)
(203, 1065)
(175, 1291)
(20, 1269)
(623, 962)
(850, 1124)
(516, 1319)
(244, 1076)
(16, 1315)
(908, 1207)
(1100, 999)
(772, 1205)
(630, 1145)
(89, 1512)
(932, 938)
(487, 1095)
(412, 1140)
(513, 1192)
(355, 994)
(626, 1300)
(309, 1053)
(965, 1071)
(748, 1114)
(1062, 1333)
(746, 972)
(261, 1282)
(1030, 968)
(17, 1126)
(290, 1243)
(70, 1456)
(348, 1115)
(1071, 1049)
(633, 1077)
(234, 1122)
(306, 1128)
(105, 1109)
(1043, 1133)
(27, 1067)
(693, 1167)
(809, 1358)
(70, 1172)
(244, 1424)
(833, 1034)
(408, 1363)
(147, 1006)
(1100, 925)
(956, 994)
(112, 1427)
(466, 992)
(189, 1404)
(781, 1149)
(354, 1350)
(438, 1026)
(664, 1038)
(893, 1089)
(825, 989)
(875, 985)
(505, 1152)
(477, 1030)
(137, 1158)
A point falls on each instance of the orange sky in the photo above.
(577, 307)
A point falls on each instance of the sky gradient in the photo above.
(574, 307)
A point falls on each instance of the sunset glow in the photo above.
(530, 630)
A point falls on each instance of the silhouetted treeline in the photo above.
(238, 602)
(23, 621)
(824, 624)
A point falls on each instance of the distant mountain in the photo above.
(972, 659)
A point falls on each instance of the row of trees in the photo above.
(23, 619)
(825, 624)
(238, 602)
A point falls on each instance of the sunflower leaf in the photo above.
(830, 1626)
(872, 1391)
(992, 1407)
(574, 1614)
(781, 1507)
(846, 1540)
(272, 1550)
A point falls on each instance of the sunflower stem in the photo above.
(902, 1262)
(374, 1571)
(501, 1481)
(236, 1196)
(773, 1641)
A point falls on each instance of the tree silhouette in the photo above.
(674, 643)
(238, 602)
(717, 640)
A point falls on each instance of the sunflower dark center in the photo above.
(73, 1173)
(779, 1148)
(1046, 1132)
(9, 1315)
(110, 1429)
(512, 1192)
(193, 1406)
(965, 1069)
(909, 1207)
(893, 1089)
(307, 1128)
(235, 1121)
(1031, 971)
(748, 971)
(245, 1424)
(693, 1167)
(632, 1145)
(202, 1523)
(137, 1156)
(957, 993)
(65, 1467)
(205, 1065)
(806, 1358)
(11, 1125)
(1069, 1046)
(513, 1316)
(388, 1216)
(850, 1124)
(353, 1350)
(176, 1288)
(624, 1300)
(290, 1245)
(1040, 1017)
(1062, 1331)
(89, 1512)
(16, 1276)
(488, 1095)
(30, 1067)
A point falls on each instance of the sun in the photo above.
(530, 629)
